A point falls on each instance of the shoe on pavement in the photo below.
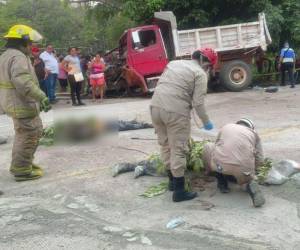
(35, 174)
(179, 193)
(222, 183)
(255, 194)
(38, 169)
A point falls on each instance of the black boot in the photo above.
(255, 194)
(179, 193)
(171, 180)
(222, 183)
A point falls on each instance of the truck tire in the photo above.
(236, 75)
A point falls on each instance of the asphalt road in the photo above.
(78, 205)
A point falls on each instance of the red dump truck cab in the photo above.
(145, 50)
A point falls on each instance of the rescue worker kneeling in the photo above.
(22, 99)
(183, 85)
(237, 152)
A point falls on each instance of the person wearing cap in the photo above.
(287, 63)
(237, 152)
(181, 87)
(39, 68)
(22, 99)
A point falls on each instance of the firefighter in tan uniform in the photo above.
(182, 86)
(22, 99)
(237, 152)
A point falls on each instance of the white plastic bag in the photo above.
(275, 178)
(78, 77)
(287, 168)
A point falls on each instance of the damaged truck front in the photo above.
(144, 52)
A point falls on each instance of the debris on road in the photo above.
(146, 241)
(128, 234)
(113, 229)
(176, 222)
(73, 206)
(271, 89)
(287, 167)
(156, 190)
(3, 140)
(277, 173)
(47, 136)
(205, 205)
(132, 239)
(264, 170)
(275, 178)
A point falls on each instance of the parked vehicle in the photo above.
(144, 52)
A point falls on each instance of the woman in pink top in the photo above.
(62, 76)
(97, 79)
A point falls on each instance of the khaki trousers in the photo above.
(28, 131)
(226, 169)
(173, 131)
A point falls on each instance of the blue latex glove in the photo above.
(208, 126)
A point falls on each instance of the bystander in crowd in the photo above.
(62, 75)
(287, 63)
(51, 67)
(71, 64)
(39, 68)
(97, 79)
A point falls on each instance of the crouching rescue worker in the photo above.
(22, 99)
(237, 152)
(183, 85)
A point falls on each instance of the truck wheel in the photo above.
(236, 75)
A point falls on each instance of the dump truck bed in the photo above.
(220, 38)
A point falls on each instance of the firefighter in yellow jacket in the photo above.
(22, 100)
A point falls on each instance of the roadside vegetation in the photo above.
(99, 24)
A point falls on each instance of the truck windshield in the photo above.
(143, 38)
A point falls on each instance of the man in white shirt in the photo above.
(51, 68)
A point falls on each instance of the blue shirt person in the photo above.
(287, 62)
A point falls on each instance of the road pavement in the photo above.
(78, 205)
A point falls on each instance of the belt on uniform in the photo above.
(6, 85)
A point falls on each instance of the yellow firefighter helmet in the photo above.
(23, 32)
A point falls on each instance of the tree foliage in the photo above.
(283, 16)
(100, 23)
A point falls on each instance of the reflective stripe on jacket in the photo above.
(19, 91)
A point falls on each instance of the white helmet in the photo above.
(247, 122)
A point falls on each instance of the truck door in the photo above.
(147, 51)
